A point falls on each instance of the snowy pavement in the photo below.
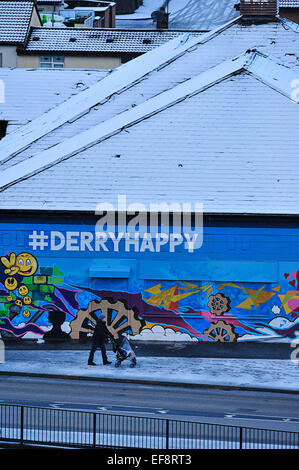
(261, 374)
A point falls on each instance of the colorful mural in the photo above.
(47, 303)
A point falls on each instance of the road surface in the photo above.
(237, 408)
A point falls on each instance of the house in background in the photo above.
(288, 9)
(16, 19)
(91, 14)
(24, 42)
(209, 120)
(88, 48)
(48, 6)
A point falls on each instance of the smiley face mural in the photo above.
(38, 301)
(10, 283)
(23, 290)
(28, 295)
(24, 264)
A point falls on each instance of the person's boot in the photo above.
(91, 363)
(117, 363)
(107, 362)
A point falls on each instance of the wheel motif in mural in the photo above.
(219, 304)
(221, 332)
(119, 319)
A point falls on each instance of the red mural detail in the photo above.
(293, 279)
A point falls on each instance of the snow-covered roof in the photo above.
(15, 17)
(204, 15)
(109, 41)
(180, 155)
(176, 61)
(148, 130)
(41, 90)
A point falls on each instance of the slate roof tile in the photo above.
(15, 17)
(76, 40)
(41, 90)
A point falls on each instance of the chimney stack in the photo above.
(254, 8)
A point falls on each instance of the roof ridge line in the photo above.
(282, 78)
(47, 122)
(62, 151)
(22, 138)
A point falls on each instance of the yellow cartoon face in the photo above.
(19, 303)
(26, 263)
(26, 313)
(27, 300)
(23, 290)
(11, 283)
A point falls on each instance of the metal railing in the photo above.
(60, 427)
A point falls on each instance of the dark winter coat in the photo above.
(100, 332)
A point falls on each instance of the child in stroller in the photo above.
(121, 346)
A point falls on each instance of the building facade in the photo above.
(241, 285)
(16, 19)
(209, 120)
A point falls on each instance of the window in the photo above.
(52, 62)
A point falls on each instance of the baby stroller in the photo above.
(121, 346)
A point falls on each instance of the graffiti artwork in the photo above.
(44, 303)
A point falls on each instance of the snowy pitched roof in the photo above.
(41, 90)
(94, 41)
(93, 100)
(181, 158)
(161, 111)
(15, 18)
(158, 71)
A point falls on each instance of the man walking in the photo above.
(98, 341)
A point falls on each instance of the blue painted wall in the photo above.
(241, 285)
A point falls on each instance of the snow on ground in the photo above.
(204, 14)
(144, 11)
(141, 19)
(183, 14)
(268, 373)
